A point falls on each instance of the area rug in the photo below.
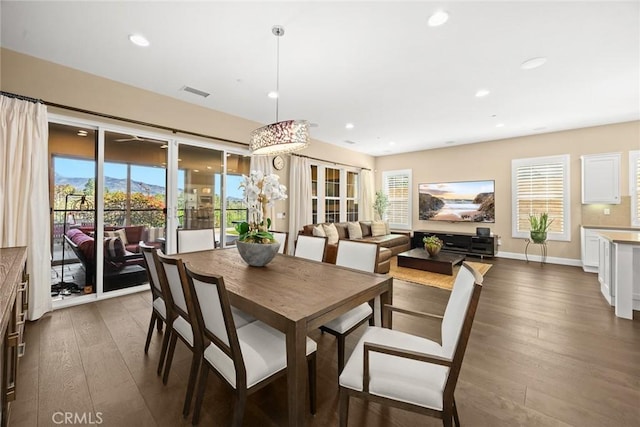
(443, 281)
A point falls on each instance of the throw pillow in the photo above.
(113, 247)
(378, 228)
(332, 233)
(118, 233)
(318, 231)
(355, 231)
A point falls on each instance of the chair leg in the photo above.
(447, 418)
(238, 412)
(150, 332)
(344, 407)
(193, 375)
(455, 413)
(163, 350)
(159, 324)
(341, 345)
(202, 384)
(172, 349)
(311, 366)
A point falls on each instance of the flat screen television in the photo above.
(463, 201)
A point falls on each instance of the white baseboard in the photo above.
(538, 258)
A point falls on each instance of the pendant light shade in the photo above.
(279, 137)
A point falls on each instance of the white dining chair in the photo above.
(310, 247)
(281, 237)
(414, 373)
(360, 256)
(192, 240)
(245, 357)
(159, 296)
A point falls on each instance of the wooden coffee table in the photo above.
(419, 259)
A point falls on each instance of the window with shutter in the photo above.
(541, 185)
(634, 186)
(397, 186)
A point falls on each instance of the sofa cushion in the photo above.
(331, 233)
(318, 231)
(355, 231)
(366, 228)
(343, 231)
(389, 240)
(120, 233)
(378, 228)
(113, 247)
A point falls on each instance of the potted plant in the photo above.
(432, 244)
(381, 203)
(540, 224)
(255, 243)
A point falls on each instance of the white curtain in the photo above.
(368, 194)
(24, 193)
(300, 212)
(263, 163)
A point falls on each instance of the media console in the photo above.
(466, 243)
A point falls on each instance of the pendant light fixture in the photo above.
(279, 137)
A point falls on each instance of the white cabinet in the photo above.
(601, 178)
(590, 248)
(605, 273)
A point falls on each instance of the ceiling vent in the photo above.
(346, 141)
(195, 91)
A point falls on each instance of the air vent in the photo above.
(195, 91)
(346, 141)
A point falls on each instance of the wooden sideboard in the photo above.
(14, 288)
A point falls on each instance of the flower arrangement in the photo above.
(260, 191)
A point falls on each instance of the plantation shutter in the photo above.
(540, 189)
(397, 187)
(539, 185)
(634, 169)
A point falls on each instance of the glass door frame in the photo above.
(171, 225)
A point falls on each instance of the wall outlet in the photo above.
(607, 211)
(279, 215)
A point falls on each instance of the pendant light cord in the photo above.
(277, 73)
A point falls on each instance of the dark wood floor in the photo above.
(545, 350)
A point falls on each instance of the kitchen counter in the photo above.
(630, 238)
(619, 270)
(611, 227)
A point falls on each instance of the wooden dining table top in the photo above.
(293, 295)
(294, 288)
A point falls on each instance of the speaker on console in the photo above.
(483, 231)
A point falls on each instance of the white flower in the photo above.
(260, 191)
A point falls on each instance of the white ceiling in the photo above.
(404, 85)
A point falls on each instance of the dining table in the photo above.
(295, 296)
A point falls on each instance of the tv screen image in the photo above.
(464, 201)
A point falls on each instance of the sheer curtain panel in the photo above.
(24, 193)
(368, 195)
(299, 197)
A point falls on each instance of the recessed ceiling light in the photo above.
(532, 63)
(273, 94)
(209, 167)
(164, 146)
(349, 126)
(500, 125)
(82, 133)
(438, 18)
(196, 170)
(392, 143)
(139, 40)
(482, 92)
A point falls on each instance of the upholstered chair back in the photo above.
(281, 237)
(207, 301)
(357, 255)
(456, 310)
(152, 267)
(175, 286)
(196, 240)
(310, 247)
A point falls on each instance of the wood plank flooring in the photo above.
(545, 350)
